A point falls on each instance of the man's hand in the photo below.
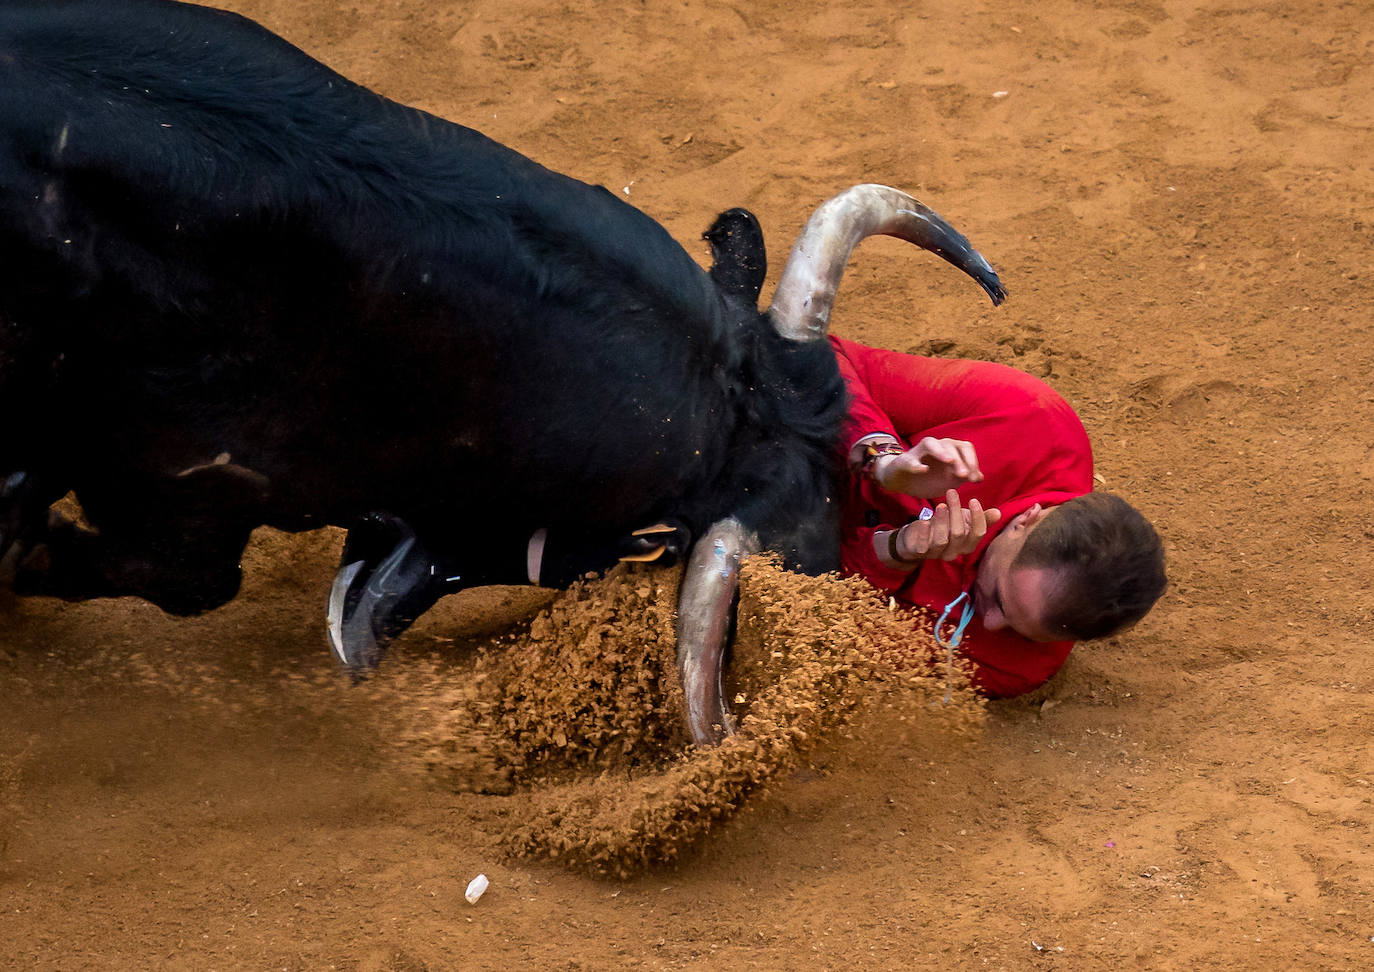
(929, 468)
(952, 532)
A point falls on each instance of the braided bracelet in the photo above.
(875, 449)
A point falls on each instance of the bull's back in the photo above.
(231, 248)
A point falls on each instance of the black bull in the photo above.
(237, 289)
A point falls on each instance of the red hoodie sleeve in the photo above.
(865, 416)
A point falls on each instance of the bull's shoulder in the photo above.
(604, 241)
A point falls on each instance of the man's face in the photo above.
(1016, 598)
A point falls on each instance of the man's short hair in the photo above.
(1114, 563)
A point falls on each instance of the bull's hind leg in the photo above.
(183, 573)
(388, 576)
(178, 547)
(24, 502)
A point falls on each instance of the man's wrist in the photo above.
(877, 468)
(873, 452)
(888, 547)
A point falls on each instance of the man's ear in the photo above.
(1030, 517)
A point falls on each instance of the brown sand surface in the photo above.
(1180, 198)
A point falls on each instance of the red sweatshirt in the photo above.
(1032, 448)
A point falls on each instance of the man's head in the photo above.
(1084, 569)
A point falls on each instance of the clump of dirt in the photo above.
(588, 683)
(575, 713)
(582, 709)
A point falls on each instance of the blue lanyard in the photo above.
(953, 641)
(964, 619)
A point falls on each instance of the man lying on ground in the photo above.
(1021, 557)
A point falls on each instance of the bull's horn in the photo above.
(703, 622)
(801, 305)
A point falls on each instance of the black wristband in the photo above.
(892, 550)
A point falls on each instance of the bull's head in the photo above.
(801, 312)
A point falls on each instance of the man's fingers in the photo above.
(951, 531)
(969, 456)
(939, 527)
(959, 454)
(978, 520)
(945, 451)
(935, 448)
(960, 522)
(958, 516)
(928, 467)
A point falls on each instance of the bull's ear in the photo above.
(739, 261)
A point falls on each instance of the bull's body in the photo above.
(237, 289)
(213, 246)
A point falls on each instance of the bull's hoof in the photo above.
(46, 562)
(23, 515)
(663, 544)
(386, 580)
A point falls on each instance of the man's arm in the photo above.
(950, 532)
(928, 469)
(1027, 438)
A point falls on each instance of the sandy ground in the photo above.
(1178, 196)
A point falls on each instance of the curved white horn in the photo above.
(801, 305)
(703, 612)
